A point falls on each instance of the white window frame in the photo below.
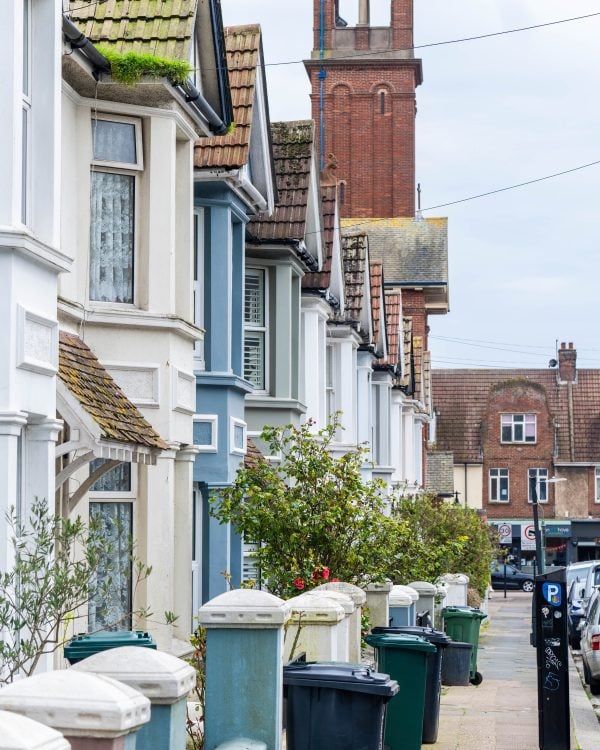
(518, 422)
(264, 329)
(233, 423)
(199, 299)
(494, 477)
(541, 478)
(108, 496)
(213, 420)
(331, 380)
(597, 484)
(133, 169)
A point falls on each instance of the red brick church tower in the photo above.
(363, 82)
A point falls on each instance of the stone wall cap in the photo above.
(315, 609)
(455, 578)
(78, 704)
(338, 597)
(379, 588)
(357, 595)
(413, 593)
(161, 677)
(399, 598)
(19, 732)
(244, 607)
(242, 744)
(423, 587)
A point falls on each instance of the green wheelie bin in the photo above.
(84, 645)
(404, 658)
(462, 624)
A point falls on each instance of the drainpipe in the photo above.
(466, 495)
(79, 41)
(322, 77)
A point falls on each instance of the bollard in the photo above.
(426, 601)
(457, 585)
(244, 676)
(359, 598)
(93, 712)
(378, 603)
(414, 596)
(20, 733)
(400, 604)
(318, 618)
(164, 679)
(346, 603)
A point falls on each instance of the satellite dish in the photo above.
(552, 363)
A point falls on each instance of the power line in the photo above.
(483, 341)
(451, 41)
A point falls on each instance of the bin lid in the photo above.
(356, 678)
(400, 641)
(437, 637)
(458, 644)
(399, 598)
(81, 646)
(470, 613)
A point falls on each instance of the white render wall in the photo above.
(147, 346)
(30, 257)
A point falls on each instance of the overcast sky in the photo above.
(524, 264)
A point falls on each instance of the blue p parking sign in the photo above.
(551, 592)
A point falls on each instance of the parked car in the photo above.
(592, 581)
(578, 570)
(515, 579)
(575, 612)
(590, 644)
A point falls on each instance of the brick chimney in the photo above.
(567, 363)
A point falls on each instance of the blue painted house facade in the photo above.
(233, 180)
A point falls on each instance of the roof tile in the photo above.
(101, 397)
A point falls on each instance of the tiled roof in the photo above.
(159, 27)
(243, 45)
(411, 251)
(355, 253)
(440, 472)
(461, 398)
(322, 279)
(376, 274)
(101, 397)
(393, 315)
(293, 157)
(253, 455)
(406, 381)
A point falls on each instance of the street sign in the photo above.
(552, 660)
(527, 536)
(505, 533)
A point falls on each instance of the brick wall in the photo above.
(517, 397)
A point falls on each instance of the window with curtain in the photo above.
(116, 157)
(110, 605)
(115, 480)
(255, 329)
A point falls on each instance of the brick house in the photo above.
(510, 433)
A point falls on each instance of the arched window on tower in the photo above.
(342, 192)
(382, 102)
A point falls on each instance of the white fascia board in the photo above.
(22, 242)
(314, 219)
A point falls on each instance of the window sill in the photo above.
(498, 502)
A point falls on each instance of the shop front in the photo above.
(517, 540)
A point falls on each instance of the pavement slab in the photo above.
(501, 713)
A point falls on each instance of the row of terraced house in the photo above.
(177, 271)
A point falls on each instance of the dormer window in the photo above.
(518, 428)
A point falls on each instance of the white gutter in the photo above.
(240, 184)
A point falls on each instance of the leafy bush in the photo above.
(315, 516)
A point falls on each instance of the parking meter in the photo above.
(552, 660)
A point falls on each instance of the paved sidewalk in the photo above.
(501, 713)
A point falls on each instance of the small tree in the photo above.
(450, 538)
(313, 514)
(53, 575)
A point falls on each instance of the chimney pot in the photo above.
(563, 345)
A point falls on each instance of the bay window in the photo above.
(117, 162)
(255, 329)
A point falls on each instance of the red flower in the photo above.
(335, 580)
(325, 573)
(299, 583)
